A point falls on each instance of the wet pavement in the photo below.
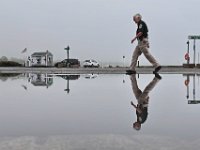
(94, 111)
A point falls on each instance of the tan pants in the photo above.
(142, 97)
(142, 47)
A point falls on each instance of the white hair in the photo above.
(137, 16)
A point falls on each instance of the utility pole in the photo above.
(123, 60)
(194, 48)
(67, 50)
(188, 51)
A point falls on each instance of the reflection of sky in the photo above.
(96, 106)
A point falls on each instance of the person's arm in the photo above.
(137, 36)
(137, 109)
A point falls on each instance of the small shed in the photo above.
(42, 59)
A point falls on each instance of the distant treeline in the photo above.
(9, 64)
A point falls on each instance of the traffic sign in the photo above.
(193, 37)
(193, 102)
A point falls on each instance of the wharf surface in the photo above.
(114, 70)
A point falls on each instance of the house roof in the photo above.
(41, 54)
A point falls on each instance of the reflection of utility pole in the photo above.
(188, 80)
(187, 92)
(194, 88)
(67, 89)
(194, 101)
(123, 79)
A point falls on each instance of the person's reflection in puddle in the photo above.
(142, 99)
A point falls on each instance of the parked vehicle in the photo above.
(91, 63)
(70, 77)
(73, 63)
(91, 76)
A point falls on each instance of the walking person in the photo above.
(142, 47)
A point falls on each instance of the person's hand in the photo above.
(137, 108)
(148, 45)
(132, 103)
(132, 41)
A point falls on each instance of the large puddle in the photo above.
(43, 111)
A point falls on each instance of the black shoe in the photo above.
(158, 76)
(130, 72)
(157, 69)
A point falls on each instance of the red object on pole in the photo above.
(187, 57)
(187, 82)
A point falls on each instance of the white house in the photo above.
(41, 59)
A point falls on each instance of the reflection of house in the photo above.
(42, 59)
(42, 80)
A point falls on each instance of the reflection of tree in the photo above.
(3, 79)
(4, 76)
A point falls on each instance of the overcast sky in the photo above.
(98, 29)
